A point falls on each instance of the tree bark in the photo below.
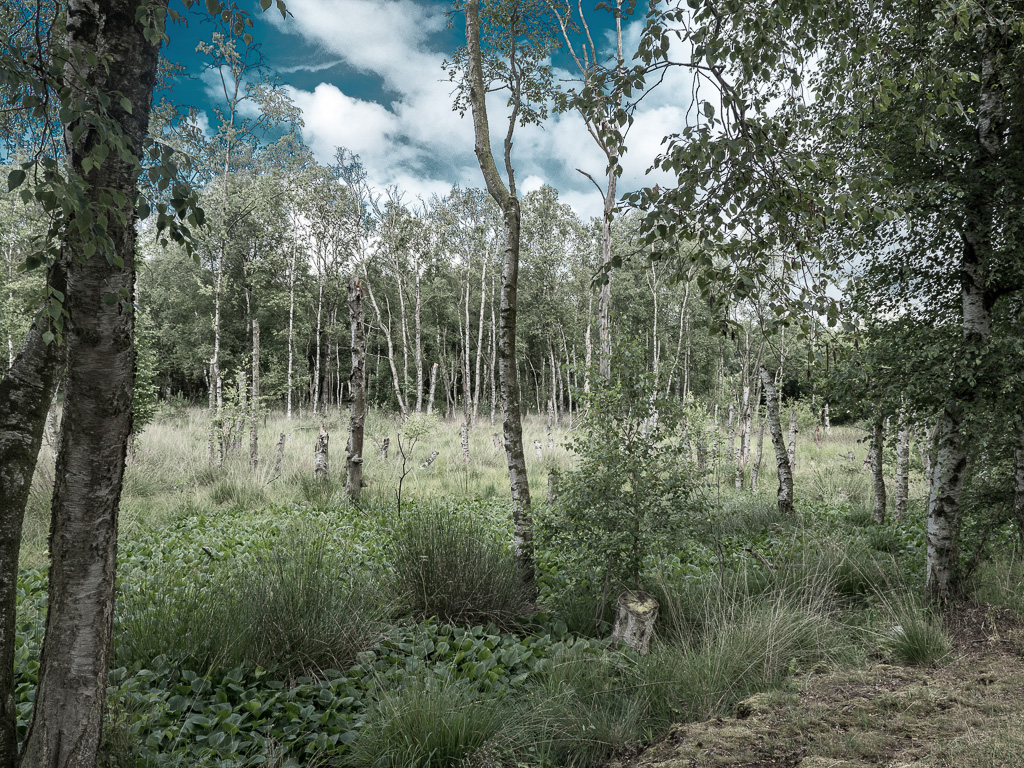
(785, 492)
(755, 472)
(254, 422)
(26, 391)
(508, 202)
(877, 473)
(480, 341)
(357, 390)
(792, 439)
(70, 699)
(321, 459)
(899, 510)
(1018, 484)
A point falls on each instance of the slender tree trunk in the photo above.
(26, 391)
(792, 439)
(433, 386)
(494, 355)
(480, 340)
(877, 470)
(785, 492)
(391, 347)
(254, 423)
(357, 388)
(512, 422)
(588, 346)
(902, 468)
(319, 345)
(70, 699)
(291, 333)
(755, 473)
(417, 309)
(1018, 484)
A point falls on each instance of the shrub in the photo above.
(634, 492)
(449, 566)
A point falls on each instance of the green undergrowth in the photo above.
(319, 634)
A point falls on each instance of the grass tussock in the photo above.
(439, 724)
(296, 607)
(447, 566)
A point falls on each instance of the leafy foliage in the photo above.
(634, 492)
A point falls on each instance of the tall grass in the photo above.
(298, 608)
(448, 566)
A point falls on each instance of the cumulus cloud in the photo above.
(409, 136)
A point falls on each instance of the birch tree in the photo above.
(518, 45)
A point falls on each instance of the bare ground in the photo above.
(967, 712)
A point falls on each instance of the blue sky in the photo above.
(367, 75)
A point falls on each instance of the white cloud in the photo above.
(413, 138)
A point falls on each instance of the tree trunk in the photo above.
(291, 333)
(433, 387)
(70, 699)
(791, 450)
(357, 390)
(254, 425)
(419, 342)
(902, 468)
(480, 341)
(508, 202)
(1018, 484)
(785, 492)
(977, 299)
(877, 473)
(391, 346)
(755, 472)
(316, 364)
(26, 391)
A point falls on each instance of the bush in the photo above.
(634, 492)
(451, 567)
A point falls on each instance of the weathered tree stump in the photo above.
(430, 460)
(279, 454)
(321, 468)
(384, 446)
(635, 614)
(553, 478)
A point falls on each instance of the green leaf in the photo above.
(15, 179)
(48, 337)
(126, 104)
(110, 299)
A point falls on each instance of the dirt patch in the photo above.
(965, 713)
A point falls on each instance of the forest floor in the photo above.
(964, 713)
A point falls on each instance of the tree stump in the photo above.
(635, 615)
(553, 478)
(321, 468)
(430, 459)
(279, 455)
(499, 444)
(538, 448)
(384, 446)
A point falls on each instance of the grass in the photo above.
(446, 566)
(312, 621)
